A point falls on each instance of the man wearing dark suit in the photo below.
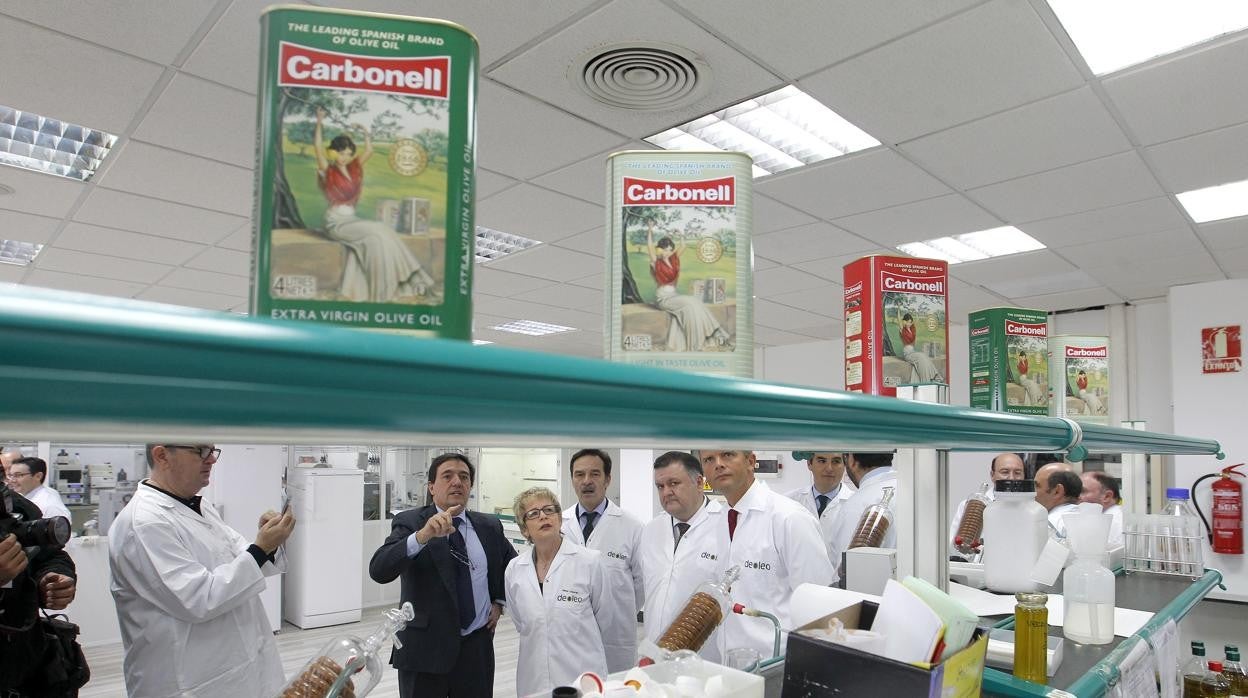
(451, 562)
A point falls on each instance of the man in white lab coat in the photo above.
(28, 475)
(1102, 488)
(828, 490)
(871, 473)
(187, 586)
(678, 547)
(775, 542)
(1058, 488)
(600, 524)
(1005, 466)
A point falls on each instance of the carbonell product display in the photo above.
(1079, 378)
(1010, 360)
(365, 178)
(679, 261)
(896, 323)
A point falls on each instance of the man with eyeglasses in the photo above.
(451, 563)
(27, 476)
(187, 586)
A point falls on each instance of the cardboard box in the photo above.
(1010, 360)
(896, 323)
(815, 668)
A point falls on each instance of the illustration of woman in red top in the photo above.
(692, 324)
(379, 268)
(1090, 398)
(922, 367)
(1034, 394)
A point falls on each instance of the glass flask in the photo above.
(874, 522)
(703, 612)
(348, 667)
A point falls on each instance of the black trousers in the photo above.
(471, 677)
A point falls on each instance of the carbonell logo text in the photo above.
(979, 331)
(713, 192)
(301, 66)
(1087, 352)
(932, 286)
(853, 290)
(1028, 329)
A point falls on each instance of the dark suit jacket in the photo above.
(430, 641)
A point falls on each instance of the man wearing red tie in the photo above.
(774, 540)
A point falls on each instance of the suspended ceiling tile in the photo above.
(165, 174)
(825, 331)
(595, 279)
(496, 282)
(208, 282)
(121, 243)
(589, 242)
(994, 57)
(37, 193)
(1229, 234)
(1029, 283)
(783, 280)
(1235, 262)
(826, 299)
(189, 298)
(965, 298)
(1171, 270)
(491, 183)
(783, 317)
(1126, 252)
(804, 242)
(1071, 300)
(839, 28)
(586, 179)
(230, 52)
(202, 118)
(850, 184)
(223, 261)
(546, 70)
(566, 296)
(1139, 217)
(119, 25)
(240, 239)
(116, 209)
(82, 284)
(509, 123)
(987, 271)
(26, 227)
(74, 262)
(771, 215)
(94, 87)
(11, 273)
(1193, 92)
(1147, 289)
(1116, 179)
(538, 214)
(772, 337)
(833, 268)
(547, 262)
(761, 263)
(1204, 160)
(1053, 132)
(922, 220)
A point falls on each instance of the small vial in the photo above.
(1031, 636)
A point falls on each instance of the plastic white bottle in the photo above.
(1016, 527)
(1180, 537)
(1087, 585)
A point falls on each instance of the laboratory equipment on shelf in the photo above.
(874, 522)
(1165, 543)
(348, 667)
(1015, 531)
(703, 612)
(971, 526)
(1031, 636)
(1087, 585)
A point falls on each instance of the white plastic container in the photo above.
(1088, 586)
(1015, 531)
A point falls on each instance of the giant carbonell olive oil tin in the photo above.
(365, 178)
(1079, 378)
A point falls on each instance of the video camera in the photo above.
(21, 518)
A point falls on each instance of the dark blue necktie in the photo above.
(463, 578)
(588, 528)
(823, 503)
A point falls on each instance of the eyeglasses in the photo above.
(13, 476)
(548, 510)
(205, 452)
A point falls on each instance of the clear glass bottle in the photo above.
(1016, 529)
(1180, 536)
(1216, 685)
(1088, 585)
(348, 667)
(874, 522)
(1031, 636)
(1194, 672)
(972, 524)
(703, 612)
(1234, 672)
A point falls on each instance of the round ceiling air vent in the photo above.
(642, 76)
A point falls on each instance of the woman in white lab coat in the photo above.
(557, 598)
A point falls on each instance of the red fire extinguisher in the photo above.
(1226, 535)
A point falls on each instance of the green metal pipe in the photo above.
(120, 370)
(999, 683)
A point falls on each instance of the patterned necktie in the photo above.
(681, 529)
(732, 522)
(590, 518)
(463, 577)
(823, 503)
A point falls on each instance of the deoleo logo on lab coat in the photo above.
(758, 565)
(571, 597)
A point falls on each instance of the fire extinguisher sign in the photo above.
(1220, 349)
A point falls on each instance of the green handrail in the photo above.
(94, 367)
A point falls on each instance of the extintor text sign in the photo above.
(1220, 349)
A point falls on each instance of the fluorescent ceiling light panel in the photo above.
(478, 342)
(18, 252)
(495, 244)
(532, 328)
(1114, 34)
(1216, 203)
(780, 130)
(47, 145)
(983, 244)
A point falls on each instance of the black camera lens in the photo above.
(45, 533)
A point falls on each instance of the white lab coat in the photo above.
(616, 535)
(49, 502)
(870, 491)
(1115, 528)
(561, 624)
(778, 547)
(957, 519)
(188, 601)
(671, 576)
(1057, 525)
(829, 520)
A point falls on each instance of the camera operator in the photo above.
(34, 572)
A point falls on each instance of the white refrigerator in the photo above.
(323, 584)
